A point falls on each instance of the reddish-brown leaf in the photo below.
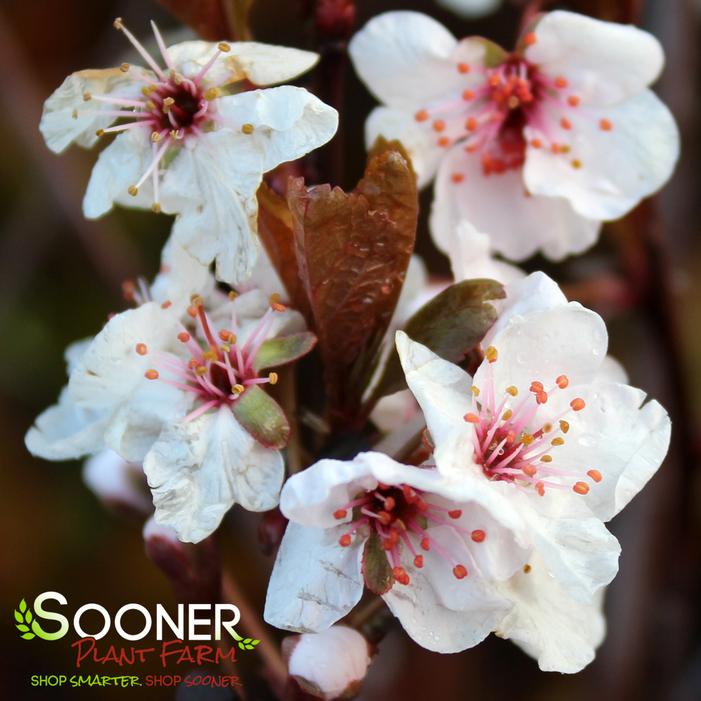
(352, 252)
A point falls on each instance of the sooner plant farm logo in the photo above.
(193, 621)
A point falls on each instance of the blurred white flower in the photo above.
(535, 147)
(328, 665)
(190, 139)
(470, 8)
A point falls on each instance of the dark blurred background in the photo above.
(61, 275)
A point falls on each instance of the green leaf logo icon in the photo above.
(23, 619)
(246, 643)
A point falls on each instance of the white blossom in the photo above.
(190, 139)
(534, 148)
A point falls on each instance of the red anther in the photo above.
(400, 575)
(384, 518)
(443, 142)
(540, 488)
(536, 143)
(419, 561)
(457, 177)
(529, 470)
(530, 39)
(382, 486)
(471, 124)
(390, 503)
(468, 95)
(561, 82)
(463, 67)
(421, 116)
(577, 404)
(183, 337)
(562, 381)
(438, 125)
(167, 304)
(573, 101)
(425, 543)
(193, 363)
(460, 571)
(605, 125)
(580, 488)
(541, 397)
(455, 513)
(478, 535)
(340, 513)
(595, 475)
(151, 374)
(556, 149)
(141, 348)
(345, 540)
(536, 386)
(409, 493)
(471, 418)
(192, 311)
(565, 123)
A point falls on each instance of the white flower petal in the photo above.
(67, 117)
(542, 345)
(438, 628)
(198, 470)
(616, 167)
(518, 224)
(394, 410)
(65, 431)
(471, 256)
(262, 64)
(408, 59)
(575, 547)
(546, 623)
(119, 167)
(181, 275)
(441, 388)
(421, 147)
(620, 437)
(287, 122)
(604, 62)
(536, 292)
(315, 582)
(218, 216)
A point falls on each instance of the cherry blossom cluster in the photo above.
(496, 521)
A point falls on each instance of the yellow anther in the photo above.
(124, 67)
(526, 568)
(232, 295)
(212, 93)
(564, 426)
(150, 105)
(155, 136)
(557, 441)
(168, 102)
(526, 439)
(224, 47)
(118, 24)
(513, 391)
(576, 164)
(197, 300)
(74, 114)
(156, 207)
(491, 354)
(238, 389)
(546, 458)
(99, 132)
(209, 355)
(247, 128)
(475, 391)
(133, 190)
(87, 97)
(200, 370)
(507, 415)
(224, 348)
(547, 428)
(273, 378)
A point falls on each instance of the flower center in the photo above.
(219, 369)
(512, 441)
(402, 517)
(489, 116)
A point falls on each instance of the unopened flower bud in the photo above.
(328, 665)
